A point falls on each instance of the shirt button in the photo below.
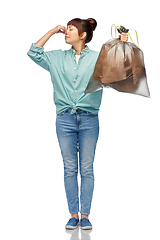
(75, 90)
(74, 80)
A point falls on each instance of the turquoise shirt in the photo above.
(69, 78)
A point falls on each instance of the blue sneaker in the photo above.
(73, 223)
(85, 224)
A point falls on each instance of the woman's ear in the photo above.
(83, 35)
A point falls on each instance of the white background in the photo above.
(127, 180)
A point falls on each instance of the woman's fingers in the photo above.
(124, 37)
(62, 29)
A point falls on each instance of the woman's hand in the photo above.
(61, 29)
(124, 37)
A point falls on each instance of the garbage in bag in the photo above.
(120, 65)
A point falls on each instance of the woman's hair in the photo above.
(82, 25)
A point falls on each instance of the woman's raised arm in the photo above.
(45, 38)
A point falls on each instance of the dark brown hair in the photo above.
(82, 25)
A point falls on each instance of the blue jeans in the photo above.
(78, 133)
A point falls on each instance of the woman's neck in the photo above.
(78, 48)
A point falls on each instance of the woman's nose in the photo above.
(67, 31)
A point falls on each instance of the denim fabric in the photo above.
(78, 132)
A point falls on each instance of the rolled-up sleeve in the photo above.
(40, 57)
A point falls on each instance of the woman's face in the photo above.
(72, 35)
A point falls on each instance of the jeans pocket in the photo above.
(92, 114)
(61, 114)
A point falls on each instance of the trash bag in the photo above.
(120, 65)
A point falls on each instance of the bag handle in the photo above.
(121, 29)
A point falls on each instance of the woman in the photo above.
(77, 123)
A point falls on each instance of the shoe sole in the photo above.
(71, 227)
(86, 228)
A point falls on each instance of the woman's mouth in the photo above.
(66, 37)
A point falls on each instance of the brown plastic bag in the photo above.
(120, 65)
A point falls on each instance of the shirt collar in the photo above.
(83, 51)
